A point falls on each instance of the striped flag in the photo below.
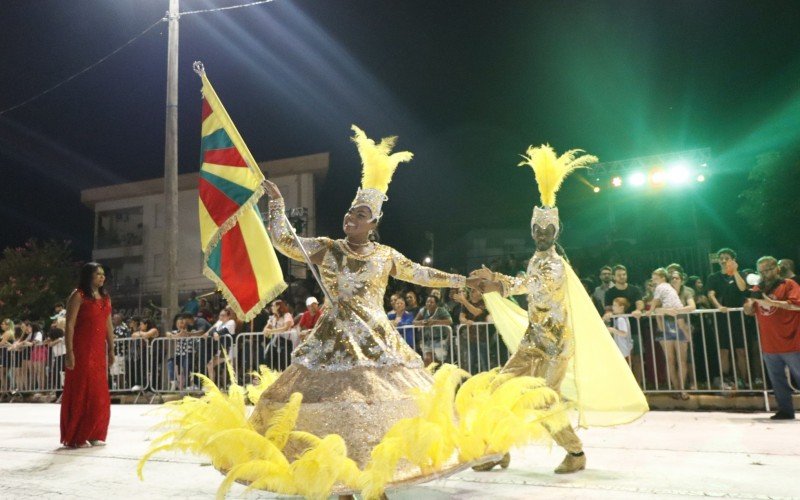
(238, 255)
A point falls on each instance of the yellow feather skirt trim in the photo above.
(461, 420)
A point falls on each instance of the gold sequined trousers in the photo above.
(532, 361)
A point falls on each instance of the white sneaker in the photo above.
(97, 442)
(173, 386)
(136, 388)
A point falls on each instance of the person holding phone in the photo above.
(777, 312)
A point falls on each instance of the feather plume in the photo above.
(550, 171)
(282, 421)
(260, 473)
(265, 378)
(378, 165)
(320, 467)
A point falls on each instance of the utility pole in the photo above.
(169, 297)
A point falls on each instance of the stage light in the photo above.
(637, 179)
(701, 178)
(427, 260)
(596, 189)
(678, 174)
(616, 181)
(657, 177)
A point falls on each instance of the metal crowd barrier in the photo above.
(705, 351)
(254, 349)
(434, 343)
(480, 347)
(31, 369)
(129, 373)
(172, 360)
(698, 352)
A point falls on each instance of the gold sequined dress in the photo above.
(354, 370)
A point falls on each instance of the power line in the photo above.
(84, 70)
(104, 58)
(188, 12)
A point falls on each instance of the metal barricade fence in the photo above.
(129, 371)
(435, 343)
(701, 351)
(253, 349)
(172, 360)
(31, 369)
(480, 347)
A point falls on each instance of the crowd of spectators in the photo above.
(660, 327)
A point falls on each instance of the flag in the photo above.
(237, 253)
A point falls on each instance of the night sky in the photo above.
(466, 85)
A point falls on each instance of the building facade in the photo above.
(129, 228)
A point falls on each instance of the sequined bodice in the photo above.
(356, 332)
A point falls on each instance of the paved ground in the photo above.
(665, 454)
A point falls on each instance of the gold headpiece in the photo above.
(378, 166)
(550, 171)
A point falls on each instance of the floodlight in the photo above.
(657, 177)
(637, 179)
(596, 189)
(616, 181)
(678, 174)
(701, 178)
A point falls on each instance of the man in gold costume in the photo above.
(547, 345)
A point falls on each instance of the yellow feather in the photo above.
(282, 421)
(265, 377)
(245, 445)
(379, 472)
(305, 438)
(378, 165)
(319, 468)
(550, 171)
(259, 472)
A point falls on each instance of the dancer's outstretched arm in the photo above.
(485, 280)
(407, 270)
(280, 231)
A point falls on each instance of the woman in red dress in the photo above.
(86, 404)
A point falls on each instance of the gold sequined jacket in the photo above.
(544, 282)
(359, 334)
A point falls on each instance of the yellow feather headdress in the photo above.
(378, 165)
(550, 171)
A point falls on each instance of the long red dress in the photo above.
(86, 403)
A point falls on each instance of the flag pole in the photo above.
(200, 70)
(314, 271)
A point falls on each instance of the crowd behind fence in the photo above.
(704, 351)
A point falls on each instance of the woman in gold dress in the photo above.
(354, 370)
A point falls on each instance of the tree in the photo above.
(771, 203)
(34, 277)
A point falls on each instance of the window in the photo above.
(119, 228)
